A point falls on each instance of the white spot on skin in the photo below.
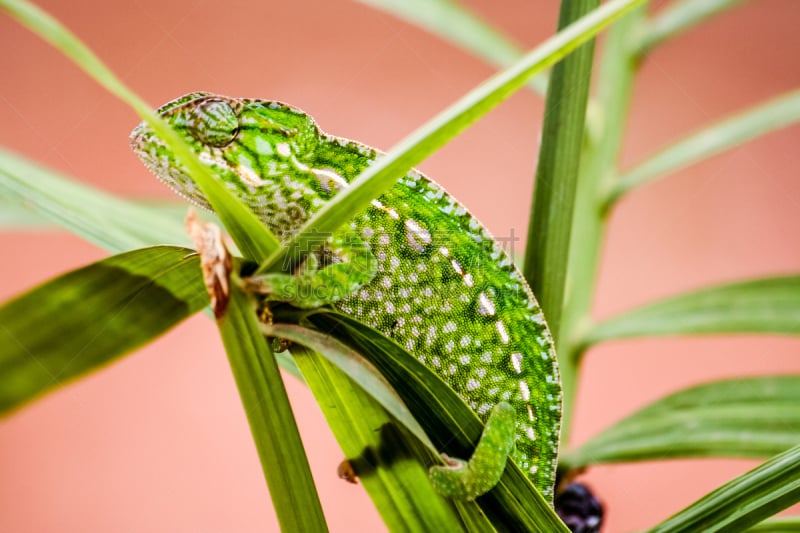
(525, 391)
(501, 330)
(465, 359)
(449, 346)
(465, 340)
(531, 434)
(329, 179)
(449, 327)
(457, 267)
(485, 305)
(263, 146)
(283, 149)
(417, 236)
(384, 240)
(468, 281)
(389, 307)
(516, 362)
(531, 416)
(473, 384)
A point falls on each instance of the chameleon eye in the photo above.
(214, 123)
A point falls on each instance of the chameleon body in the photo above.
(443, 287)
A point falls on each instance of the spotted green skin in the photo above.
(444, 288)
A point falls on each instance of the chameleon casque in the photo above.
(444, 288)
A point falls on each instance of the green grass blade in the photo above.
(380, 176)
(250, 235)
(784, 524)
(743, 501)
(381, 453)
(764, 118)
(550, 223)
(87, 318)
(458, 25)
(602, 142)
(679, 17)
(751, 417)
(514, 504)
(272, 423)
(18, 214)
(352, 364)
(769, 305)
(102, 219)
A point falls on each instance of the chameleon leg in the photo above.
(311, 286)
(466, 480)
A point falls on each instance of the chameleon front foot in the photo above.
(466, 480)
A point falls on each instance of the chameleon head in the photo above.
(250, 145)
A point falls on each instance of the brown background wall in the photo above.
(158, 441)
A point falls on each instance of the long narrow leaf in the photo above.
(351, 363)
(85, 319)
(251, 236)
(747, 125)
(514, 504)
(17, 214)
(745, 500)
(271, 420)
(101, 218)
(455, 23)
(770, 305)
(383, 456)
(787, 524)
(382, 175)
(679, 17)
(751, 417)
(550, 224)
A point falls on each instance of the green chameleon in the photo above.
(430, 276)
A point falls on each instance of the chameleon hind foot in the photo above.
(466, 480)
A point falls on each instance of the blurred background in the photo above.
(159, 442)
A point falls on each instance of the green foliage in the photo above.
(749, 417)
(745, 500)
(770, 305)
(140, 294)
(366, 380)
(272, 423)
(112, 223)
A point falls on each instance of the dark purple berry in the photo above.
(579, 509)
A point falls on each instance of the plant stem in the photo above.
(550, 224)
(599, 166)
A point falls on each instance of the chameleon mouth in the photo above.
(158, 159)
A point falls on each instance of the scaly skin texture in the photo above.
(444, 288)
